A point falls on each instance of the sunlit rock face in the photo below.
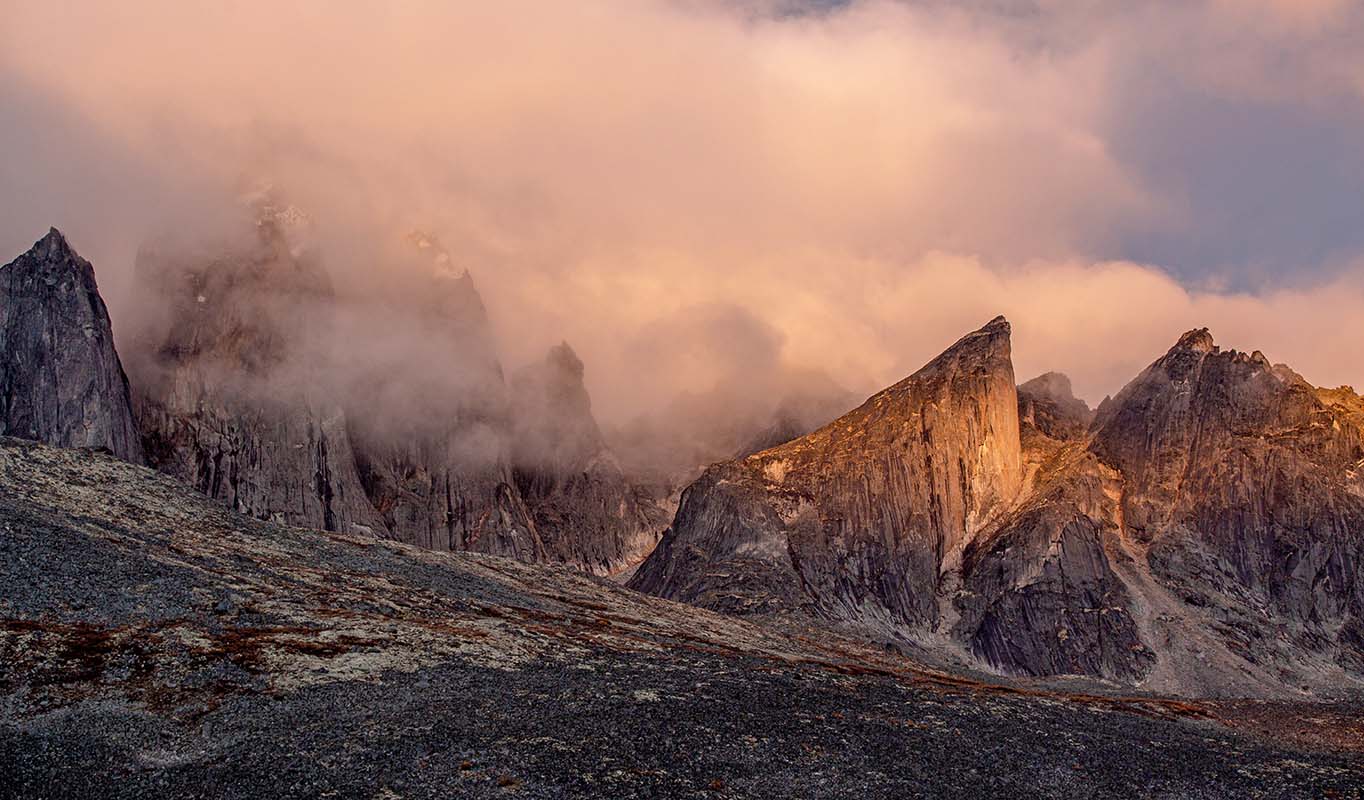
(429, 412)
(229, 382)
(1039, 591)
(859, 519)
(586, 511)
(61, 381)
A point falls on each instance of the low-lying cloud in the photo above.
(688, 191)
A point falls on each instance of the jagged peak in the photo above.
(53, 246)
(53, 243)
(443, 265)
(1199, 340)
(984, 351)
(999, 326)
(53, 251)
(995, 330)
(988, 343)
(562, 358)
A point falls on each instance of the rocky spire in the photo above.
(1239, 479)
(61, 381)
(860, 518)
(586, 511)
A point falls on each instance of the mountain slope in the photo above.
(265, 660)
(1241, 497)
(1202, 536)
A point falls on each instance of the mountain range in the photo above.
(1198, 535)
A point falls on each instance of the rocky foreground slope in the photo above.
(153, 643)
(1202, 534)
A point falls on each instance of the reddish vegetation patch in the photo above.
(1307, 725)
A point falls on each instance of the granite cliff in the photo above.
(861, 518)
(228, 385)
(61, 380)
(430, 417)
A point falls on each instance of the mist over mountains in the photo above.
(1196, 535)
(682, 398)
(882, 175)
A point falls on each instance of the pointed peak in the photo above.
(997, 325)
(986, 348)
(1199, 340)
(53, 244)
(993, 331)
(53, 253)
(561, 357)
(996, 330)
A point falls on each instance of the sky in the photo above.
(692, 191)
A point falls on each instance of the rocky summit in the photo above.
(60, 377)
(153, 643)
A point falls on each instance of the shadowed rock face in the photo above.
(1040, 592)
(860, 518)
(1241, 483)
(586, 512)
(61, 381)
(1048, 404)
(241, 395)
(229, 390)
(1039, 595)
(1205, 537)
